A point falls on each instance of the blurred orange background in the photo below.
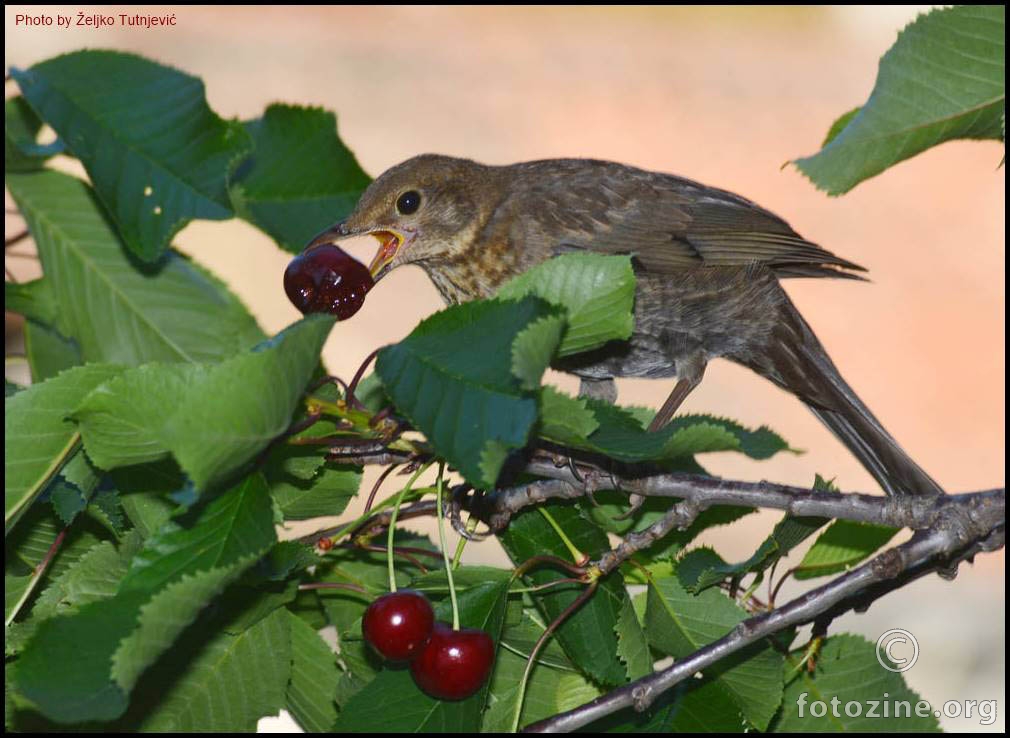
(721, 95)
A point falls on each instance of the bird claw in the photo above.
(455, 508)
(636, 504)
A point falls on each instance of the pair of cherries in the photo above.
(447, 664)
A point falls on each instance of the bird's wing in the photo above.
(669, 223)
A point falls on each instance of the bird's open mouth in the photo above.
(389, 244)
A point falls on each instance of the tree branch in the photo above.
(917, 513)
(959, 535)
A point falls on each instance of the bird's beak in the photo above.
(389, 245)
(330, 235)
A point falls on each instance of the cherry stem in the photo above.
(392, 524)
(439, 488)
(349, 396)
(378, 483)
(575, 605)
(401, 551)
(548, 560)
(775, 592)
(329, 379)
(577, 556)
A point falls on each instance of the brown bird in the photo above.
(707, 262)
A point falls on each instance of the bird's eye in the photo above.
(408, 202)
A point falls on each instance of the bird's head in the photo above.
(425, 209)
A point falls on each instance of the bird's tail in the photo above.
(799, 363)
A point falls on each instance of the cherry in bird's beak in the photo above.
(389, 245)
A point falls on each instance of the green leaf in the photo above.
(393, 703)
(106, 507)
(943, 79)
(632, 644)
(286, 558)
(64, 671)
(37, 437)
(122, 421)
(326, 489)
(34, 300)
(704, 568)
(450, 379)
(597, 292)
(144, 491)
(314, 678)
(704, 706)
(82, 666)
(156, 153)
(359, 665)
(22, 152)
(533, 349)
(95, 576)
(67, 500)
(211, 418)
(300, 179)
(679, 623)
(232, 682)
(229, 529)
(566, 419)
(839, 125)
(848, 672)
(589, 635)
(73, 489)
(554, 684)
(371, 393)
(48, 352)
(844, 544)
(115, 310)
(621, 436)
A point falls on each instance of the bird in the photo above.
(708, 265)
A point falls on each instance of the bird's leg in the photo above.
(690, 377)
(690, 373)
(599, 389)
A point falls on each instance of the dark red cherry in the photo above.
(398, 624)
(455, 663)
(325, 279)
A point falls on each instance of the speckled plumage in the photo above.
(708, 264)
